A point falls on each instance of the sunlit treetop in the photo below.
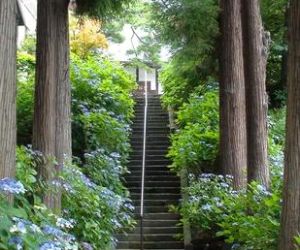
(86, 35)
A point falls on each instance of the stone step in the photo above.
(155, 184)
(149, 168)
(151, 114)
(153, 209)
(138, 173)
(151, 162)
(150, 145)
(159, 230)
(140, 123)
(167, 216)
(153, 178)
(162, 187)
(156, 203)
(152, 109)
(155, 136)
(151, 245)
(137, 128)
(150, 152)
(163, 196)
(156, 190)
(148, 156)
(138, 155)
(147, 237)
(140, 120)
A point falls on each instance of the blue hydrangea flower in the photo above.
(22, 224)
(63, 223)
(206, 207)
(57, 233)
(115, 155)
(50, 245)
(17, 242)
(9, 185)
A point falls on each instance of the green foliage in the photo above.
(29, 45)
(179, 81)
(101, 99)
(25, 90)
(276, 131)
(100, 8)
(297, 239)
(27, 160)
(206, 208)
(94, 197)
(26, 223)
(181, 24)
(102, 105)
(102, 209)
(195, 143)
(193, 41)
(248, 219)
(274, 15)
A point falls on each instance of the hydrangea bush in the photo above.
(26, 226)
(195, 143)
(95, 202)
(247, 219)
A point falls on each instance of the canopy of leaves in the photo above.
(100, 8)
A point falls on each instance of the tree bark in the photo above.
(52, 121)
(8, 34)
(290, 218)
(232, 94)
(255, 61)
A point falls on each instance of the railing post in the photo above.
(144, 162)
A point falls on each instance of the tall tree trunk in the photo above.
(8, 32)
(290, 219)
(232, 94)
(255, 61)
(52, 122)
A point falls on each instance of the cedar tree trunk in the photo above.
(8, 32)
(255, 62)
(232, 94)
(290, 219)
(52, 122)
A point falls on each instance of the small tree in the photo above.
(8, 32)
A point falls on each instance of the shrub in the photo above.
(102, 211)
(94, 197)
(99, 213)
(27, 226)
(25, 90)
(196, 141)
(249, 219)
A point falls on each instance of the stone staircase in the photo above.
(162, 187)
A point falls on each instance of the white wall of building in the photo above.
(28, 9)
(151, 77)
